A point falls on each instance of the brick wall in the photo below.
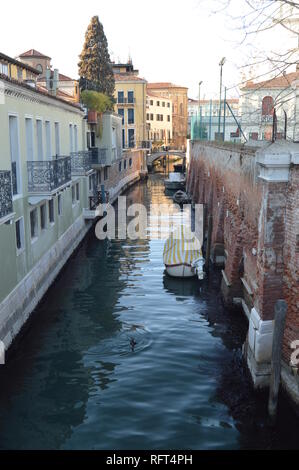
(255, 225)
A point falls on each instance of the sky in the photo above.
(168, 40)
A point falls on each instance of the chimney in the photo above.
(48, 79)
(55, 82)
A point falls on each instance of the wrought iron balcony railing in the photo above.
(46, 177)
(126, 100)
(6, 206)
(99, 157)
(81, 162)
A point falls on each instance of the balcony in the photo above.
(126, 101)
(6, 206)
(81, 163)
(47, 177)
(99, 158)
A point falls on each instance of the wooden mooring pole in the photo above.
(280, 316)
(210, 228)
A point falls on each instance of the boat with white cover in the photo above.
(175, 181)
(182, 254)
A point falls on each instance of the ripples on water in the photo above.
(74, 380)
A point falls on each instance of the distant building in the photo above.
(209, 112)
(178, 95)
(17, 70)
(258, 101)
(159, 119)
(49, 79)
(130, 95)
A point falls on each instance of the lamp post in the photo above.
(199, 84)
(221, 64)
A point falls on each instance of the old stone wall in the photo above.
(253, 197)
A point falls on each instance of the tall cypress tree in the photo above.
(95, 68)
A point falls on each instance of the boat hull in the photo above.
(180, 270)
(174, 185)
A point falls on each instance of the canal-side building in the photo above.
(49, 190)
(178, 95)
(130, 96)
(158, 119)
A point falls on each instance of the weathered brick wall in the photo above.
(255, 223)
(291, 262)
(223, 178)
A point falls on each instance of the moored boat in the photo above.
(180, 197)
(183, 255)
(175, 181)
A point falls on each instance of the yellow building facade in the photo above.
(130, 104)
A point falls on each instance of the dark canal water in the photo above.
(73, 382)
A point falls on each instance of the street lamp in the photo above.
(221, 64)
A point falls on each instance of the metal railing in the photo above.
(126, 101)
(48, 176)
(81, 162)
(99, 156)
(6, 206)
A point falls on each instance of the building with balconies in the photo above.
(130, 95)
(55, 168)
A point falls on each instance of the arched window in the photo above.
(39, 67)
(267, 106)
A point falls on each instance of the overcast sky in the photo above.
(169, 40)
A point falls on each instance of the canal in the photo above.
(73, 380)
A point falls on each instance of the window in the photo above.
(121, 112)
(39, 139)
(130, 116)
(168, 105)
(147, 117)
(43, 221)
(120, 97)
(75, 138)
(48, 140)
(158, 103)
(20, 73)
(130, 96)
(151, 102)
(39, 67)
(51, 211)
(130, 162)
(125, 164)
(29, 139)
(119, 167)
(131, 137)
(123, 138)
(168, 118)
(73, 194)
(20, 243)
(77, 192)
(33, 223)
(105, 173)
(163, 104)
(4, 68)
(59, 201)
(161, 117)
(57, 139)
(267, 106)
(71, 138)
(152, 117)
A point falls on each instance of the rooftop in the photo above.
(39, 90)
(127, 77)
(162, 85)
(18, 63)
(283, 81)
(34, 53)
